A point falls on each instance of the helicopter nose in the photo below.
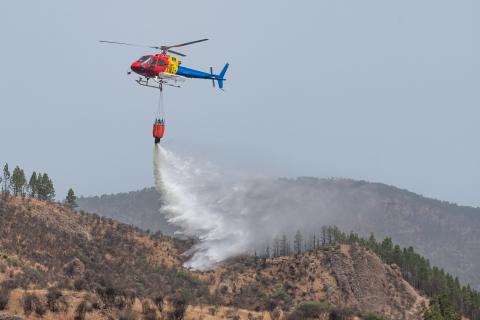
(135, 66)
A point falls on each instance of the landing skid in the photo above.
(158, 83)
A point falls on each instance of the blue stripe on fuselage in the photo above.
(192, 73)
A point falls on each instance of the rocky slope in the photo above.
(443, 232)
(59, 264)
(347, 276)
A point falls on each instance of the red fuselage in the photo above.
(150, 66)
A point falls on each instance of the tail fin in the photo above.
(220, 77)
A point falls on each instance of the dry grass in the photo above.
(46, 245)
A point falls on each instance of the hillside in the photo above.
(347, 276)
(443, 232)
(61, 264)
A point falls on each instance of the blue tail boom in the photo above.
(192, 73)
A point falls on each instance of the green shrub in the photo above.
(79, 284)
(213, 310)
(52, 299)
(127, 315)
(40, 309)
(179, 308)
(30, 301)
(279, 297)
(158, 300)
(3, 299)
(372, 316)
(309, 310)
(151, 315)
(82, 309)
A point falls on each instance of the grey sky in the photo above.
(381, 90)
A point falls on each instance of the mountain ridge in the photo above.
(442, 231)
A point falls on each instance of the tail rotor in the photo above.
(213, 76)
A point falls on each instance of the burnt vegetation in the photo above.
(76, 251)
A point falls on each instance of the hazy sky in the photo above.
(383, 91)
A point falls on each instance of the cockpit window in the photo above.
(143, 59)
(160, 63)
(148, 61)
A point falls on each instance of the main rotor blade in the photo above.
(177, 53)
(125, 44)
(186, 43)
(166, 48)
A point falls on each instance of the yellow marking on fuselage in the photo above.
(172, 65)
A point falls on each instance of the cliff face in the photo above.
(111, 270)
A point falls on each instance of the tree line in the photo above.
(39, 186)
(449, 299)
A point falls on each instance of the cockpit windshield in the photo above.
(143, 59)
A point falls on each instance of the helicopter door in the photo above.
(153, 62)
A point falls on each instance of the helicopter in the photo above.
(165, 69)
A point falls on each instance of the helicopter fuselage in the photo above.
(152, 66)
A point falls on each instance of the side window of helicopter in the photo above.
(160, 63)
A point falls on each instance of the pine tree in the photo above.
(337, 235)
(323, 234)
(387, 249)
(433, 313)
(45, 188)
(329, 235)
(24, 183)
(6, 180)
(284, 246)
(267, 250)
(297, 243)
(39, 186)
(71, 199)
(276, 246)
(372, 242)
(447, 310)
(397, 256)
(18, 182)
(32, 185)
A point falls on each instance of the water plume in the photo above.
(229, 213)
(194, 199)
